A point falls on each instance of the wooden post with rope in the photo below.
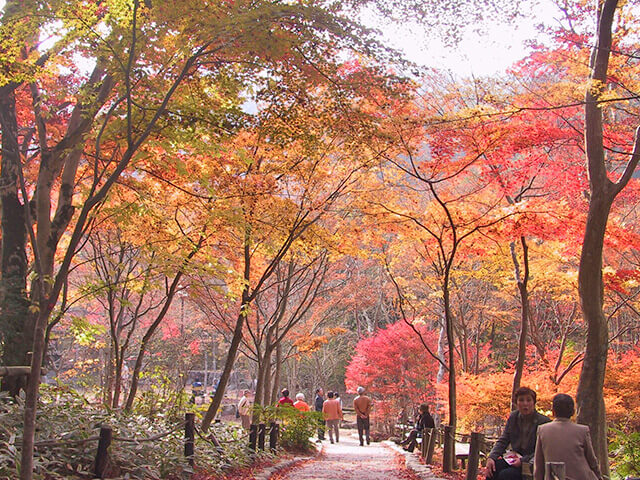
(477, 439)
(189, 436)
(102, 457)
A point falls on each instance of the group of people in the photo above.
(331, 409)
(534, 438)
(528, 436)
(245, 405)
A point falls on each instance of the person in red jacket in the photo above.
(285, 400)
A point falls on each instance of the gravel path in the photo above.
(347, 460)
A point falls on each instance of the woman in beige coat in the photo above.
(566, 442)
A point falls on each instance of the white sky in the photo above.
(476, 54)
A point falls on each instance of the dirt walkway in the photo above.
(347, 460)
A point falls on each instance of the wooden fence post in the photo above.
(262, 430)
(273, 436)
(424, 445)
(448, 449)
(477, 439)
(189, 436)
(554, 470)
(253, 437)
(431, 447)
(101, 456)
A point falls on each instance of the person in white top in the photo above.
(245, 407)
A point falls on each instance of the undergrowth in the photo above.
(68, 419)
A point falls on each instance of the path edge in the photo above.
(412, 462)
(269, 472)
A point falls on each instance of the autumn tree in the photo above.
(394, 368)
(68, 135)
(603, 191)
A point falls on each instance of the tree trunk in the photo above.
(590, 397)
(216, 401)
(522, 281)
(117, 380)
(453, 419)
(33, 386)
(263, 374)
(135, 375)
(107, 392)
(275, 388)
(15, 330)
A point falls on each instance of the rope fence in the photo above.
(255, 439)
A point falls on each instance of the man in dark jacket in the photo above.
(520, 433)
(424, 421)
(317, 404)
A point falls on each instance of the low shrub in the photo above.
(296, 427)
(68, 419)
(624, 454)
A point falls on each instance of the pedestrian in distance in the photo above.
(520, 433)
(300, 404)
(336, 395)
(332, 414)
(245, 407)
(362, 406)
(565, 441)
(318, 403)
(423, 421)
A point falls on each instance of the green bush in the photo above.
(296, 427)
(624, 452)
(67, 417)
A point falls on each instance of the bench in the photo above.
(462, 453)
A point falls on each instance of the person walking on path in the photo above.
(317, 404)
(300, 404)
(424, 420)
(520, 432)
(332, 414)
(566, 442)
(245, 405)
(362, 406)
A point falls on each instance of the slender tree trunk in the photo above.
(453, 418)
(590, 397)
(275, 388)
(263, 374)
(522, 280)
(216, 401)
(107, 394)
(137, 369)
(266, 387)
(117, 381)
(31, 399)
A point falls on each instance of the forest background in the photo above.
(264, 192)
